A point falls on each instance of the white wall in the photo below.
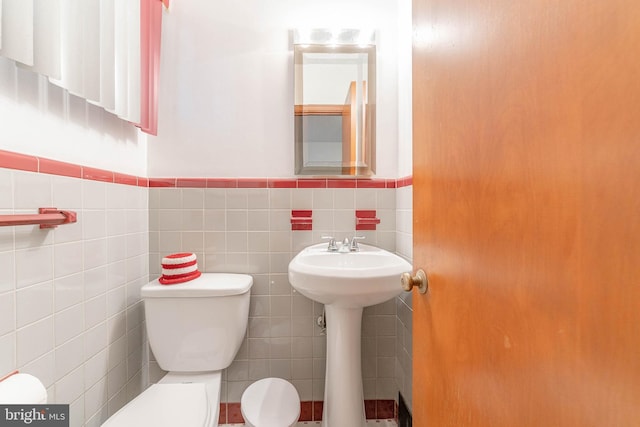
(249, 231)
(70, 308)
(41, 119)
(405, 110)
(225, 98)
(226, 84)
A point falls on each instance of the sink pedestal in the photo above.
(345, 282)
(343, 396)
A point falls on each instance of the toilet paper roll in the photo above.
(22, 389)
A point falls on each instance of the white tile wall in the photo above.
(403, 325)
(69, 297)
(249, 231)
(70, 310)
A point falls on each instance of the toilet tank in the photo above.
(197, 325)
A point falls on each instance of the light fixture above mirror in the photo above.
(338, 37)
(334, 108)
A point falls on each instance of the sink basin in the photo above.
(345, 282)
(347, 279)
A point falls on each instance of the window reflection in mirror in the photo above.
(334, 110)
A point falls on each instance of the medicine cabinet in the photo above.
(335, 102)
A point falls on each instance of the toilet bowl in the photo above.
(270, 402)
(195, 331)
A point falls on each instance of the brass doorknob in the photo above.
(419, 280)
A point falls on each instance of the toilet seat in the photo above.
(270, 402)
(164, 405)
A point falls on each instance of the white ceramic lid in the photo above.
(164, 405)
(271, 402)
(208, 284)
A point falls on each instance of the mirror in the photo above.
(334, 109)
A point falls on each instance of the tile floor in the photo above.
(370, 423)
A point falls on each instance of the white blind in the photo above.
(91, 48)
(46, 38)
(133, 61)
(0, 24)
(17, 30)
(121, 58)
(107, 55)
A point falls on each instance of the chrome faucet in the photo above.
(346, 246)
(354, 243)
(333, 247)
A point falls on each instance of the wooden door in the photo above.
(527, 213)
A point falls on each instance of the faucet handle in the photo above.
(332, 243)
(354, 243)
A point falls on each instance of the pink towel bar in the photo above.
(46, 217)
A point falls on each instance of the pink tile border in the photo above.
(95, 174)
(306, 411)
(162, 182)
(312, 183)
(18, 161)
(191, 182)
(371, 183)
(312, 411)
(283, 183)
(252, 182)
(317, 410)
(53, 167)
(222, 183)
(405, 182)
(222, 417)
(370, 409)
(234, 413)
(25, 162)
(121, 178)
(385, 409)
(341, 183)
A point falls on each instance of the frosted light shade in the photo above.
(337, 37)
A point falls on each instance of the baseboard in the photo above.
(312, 411)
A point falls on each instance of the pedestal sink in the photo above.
(345, 282)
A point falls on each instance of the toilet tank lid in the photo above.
(208, 284)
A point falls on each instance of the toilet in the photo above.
(270, 402)
(195, 329)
